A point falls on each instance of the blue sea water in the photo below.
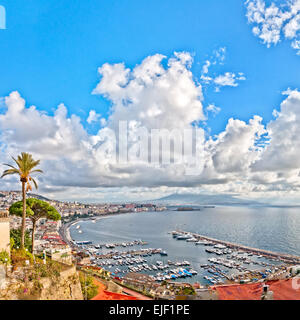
(271, 228)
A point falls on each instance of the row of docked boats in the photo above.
(188, 237)
(214, 280)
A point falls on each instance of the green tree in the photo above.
(89, 289)
(35, 210)
(25, 165)
(15, 239)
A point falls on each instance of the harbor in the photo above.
(288, 258)
(238, 258)
(135, 243)
(227, 262)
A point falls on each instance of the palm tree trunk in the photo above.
(23, 216)
(33, 233)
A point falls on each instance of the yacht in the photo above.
(192, 240)
(183, 237)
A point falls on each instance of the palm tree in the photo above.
(25, 166)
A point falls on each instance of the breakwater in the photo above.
(287, 258)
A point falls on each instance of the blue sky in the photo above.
(50, 53)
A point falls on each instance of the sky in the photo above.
(69, 73)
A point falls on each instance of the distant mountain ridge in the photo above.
(206, 199)
(38, 196)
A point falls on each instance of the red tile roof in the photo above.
(282, 290)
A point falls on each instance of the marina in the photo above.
(229, 266)
(211, 260)
(179, 235)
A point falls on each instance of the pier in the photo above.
(288, 258)
(137, 252)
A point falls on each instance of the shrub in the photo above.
(15, 235)
(18, 257)
(89, 289)
(4, 257)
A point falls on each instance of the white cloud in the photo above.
(205, 67)
(93, 117)
(296, 45)
(75, 162)
(152, 95)
(221, 80)
(274, 22)
(212, 108)
(283, 152)
(220, 55)
(234, 150)
(103, 122)
(229, 79)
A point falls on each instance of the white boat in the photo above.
(192, 240)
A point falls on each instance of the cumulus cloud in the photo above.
(221, 80)
(153, 96)
(228, 79)
(93, 117)
(273, 23)
(283, 152)
(245, 157)
(235, 150)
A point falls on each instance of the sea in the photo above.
(271, 228)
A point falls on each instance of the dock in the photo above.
(287, 258)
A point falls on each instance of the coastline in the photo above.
(65, 228)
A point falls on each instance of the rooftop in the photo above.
(282, 290)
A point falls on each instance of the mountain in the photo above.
(205, 199)
(38, 196)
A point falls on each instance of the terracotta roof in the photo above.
(282, 290)
(103, 294)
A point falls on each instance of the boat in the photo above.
(193, 272)
(220, 246)
(183, 237)
(163, 253)
(84, 242)
(192, 240)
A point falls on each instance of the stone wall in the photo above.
(4, 234)
(66, 287)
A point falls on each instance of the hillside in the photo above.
(205, 199)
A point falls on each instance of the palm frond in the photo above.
(17, 162)
(9, 165)
(10, 171)
(34, 182)
(25, 164)
(37, 170)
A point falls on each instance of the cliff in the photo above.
(66, 286)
